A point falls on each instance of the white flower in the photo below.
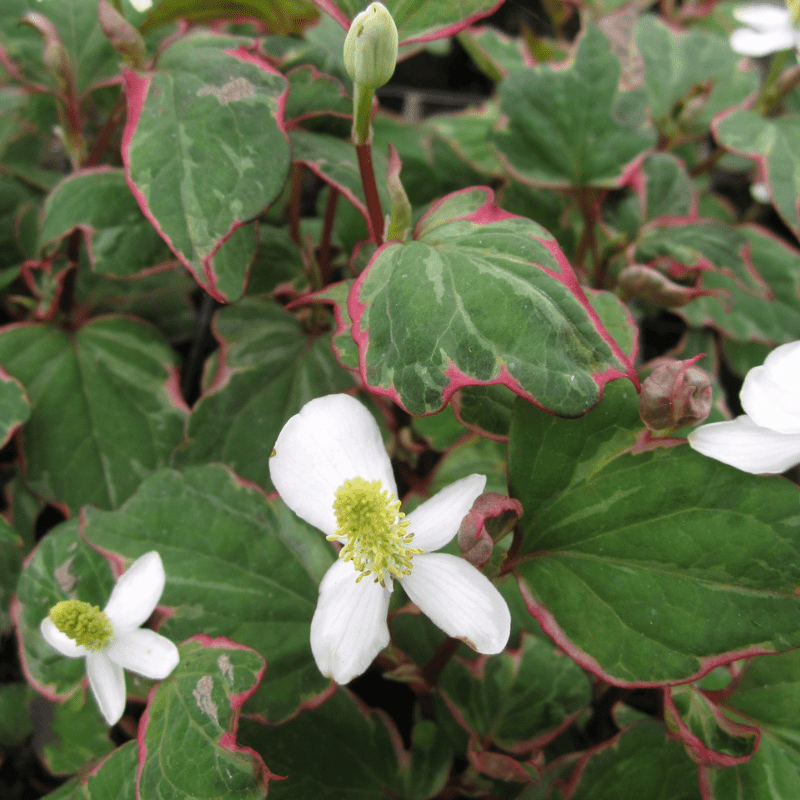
(332, 470)
(113, 638)
(142, 5)
(767, 437)
(769, 30)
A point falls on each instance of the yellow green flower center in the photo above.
(86, 624)
(369, 519)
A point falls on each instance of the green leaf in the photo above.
(187, 736)
(627, 583)
(426, 314)
(353, 753)
(15, 713)
(766, 309)
(62, 567)
(120, 241)
(475, 454)
(517, 699)
(10, 567)
(81, 736)
(220, 110)
(115, 777)
(313, 94)
(561, 128)
(429, 763)
(237, 566)
(486, 409)
(280, 16)
(640, 762)
(690, 76)
(269, 368)
(105, 410)
(416, 21)
(15, 409)
(766, 695)
(775, 145)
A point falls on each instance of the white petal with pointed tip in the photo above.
(460, 600)
(749, 42)
(349, 626)
(332, 439)
(136, 593)
(746, 446)
(763, 16)
(437, 520)
(771, 393)
(60, 641)
(145, 652)
(107, 681)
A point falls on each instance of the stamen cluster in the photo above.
(84, 623)
(369, 519)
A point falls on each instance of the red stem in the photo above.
(295, 200)
(364, 153)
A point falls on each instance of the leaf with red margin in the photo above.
(106, 410)
(710, 738)
(416, 22)
(518, 700)
(205, 150)
(114, 777)
(237, 565)
(427, 314)
(641, 761)
(766, 694)
(119, 240)
(15, 408)
(638, 591)
(334, 161)
(313, 94)
(355, 752)
(774, 144)
(267, 369)
(561, 125)
(187, 736)
(344, 347)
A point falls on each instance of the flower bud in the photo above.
(370, 49)
(655, 287)
(124, 38)
(674, 395)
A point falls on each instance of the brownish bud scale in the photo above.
(492, 515)
(655, 287)
(123, 36)
(674, 395)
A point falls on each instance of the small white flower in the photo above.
(113, 639)
(769, 30)
(331, 469)
(766, 439)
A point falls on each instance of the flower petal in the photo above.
(60, 641)
(771, 393)
(349, 626)
(333, 438)
(746, 446)
(460, 600)
(142, 5)
(145, 652)
(763, 16)
(749, 42)
(136, 592)
(108, 686)
(437, 520)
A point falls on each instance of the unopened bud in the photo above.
(655, 287)
(492, 515)
(124, 38)
(55, 56)
(370, 49)
(674, 395)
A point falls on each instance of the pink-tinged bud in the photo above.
(124, 37)
(674, 395)
(491, 516)
(55, 56)
(655, 287)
